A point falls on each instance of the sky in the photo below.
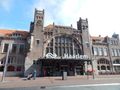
(103, 15)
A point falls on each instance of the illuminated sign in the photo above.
(66, 56)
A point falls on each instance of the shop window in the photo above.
(10, 68)
(5, 47)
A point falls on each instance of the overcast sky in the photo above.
(103, 15)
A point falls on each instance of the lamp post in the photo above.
(92, 68)
(90, 48)
(6, 63)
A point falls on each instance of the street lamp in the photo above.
(6, 63)
(90, 48)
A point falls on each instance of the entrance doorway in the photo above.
(57, 67)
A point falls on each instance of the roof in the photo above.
(96, 37)
(51, 26)
(4, 32)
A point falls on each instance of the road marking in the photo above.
(88, 85)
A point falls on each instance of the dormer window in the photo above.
(16, 35)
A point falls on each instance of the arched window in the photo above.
(103, 61)
(103, 67)
(64, 45)
(10, 68)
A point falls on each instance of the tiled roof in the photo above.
(51, 26)
(4, 32)
(96, 37)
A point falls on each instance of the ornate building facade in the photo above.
(54, 49)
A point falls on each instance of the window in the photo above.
(5, 47)
(11, 59)
(105, 52)
(8, 60)
(108, 67)
(21, 49)
(1, 68)
(14, 48)
(103, 61)
(100, 51)
(98, 67)
(10, 68)
(113, 53)
(103, 67)
(117, 61)
(95, 50)
(64, 45)
(37, 42)
(19, 68)
(119, 52)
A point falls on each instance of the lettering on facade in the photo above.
(66, 56)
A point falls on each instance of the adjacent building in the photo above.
(15, 41)
(54, 49)
(106, 53)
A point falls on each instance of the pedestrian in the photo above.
(34, 75)
(29, 76)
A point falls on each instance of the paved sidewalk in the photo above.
(57, 81)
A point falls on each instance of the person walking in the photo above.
(34, 74)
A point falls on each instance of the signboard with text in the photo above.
(66, 56)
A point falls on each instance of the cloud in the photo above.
(6, 4)
(51, 7)
(64, 12)
(103, 15)
(70, 11)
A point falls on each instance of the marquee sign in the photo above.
(66, 56)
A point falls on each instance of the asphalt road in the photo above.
(110, 86)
